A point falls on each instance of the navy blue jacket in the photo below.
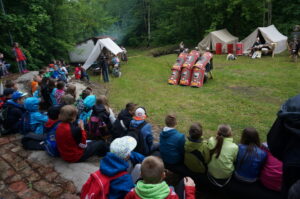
(14, 115)
(172, 146)
(284, 136)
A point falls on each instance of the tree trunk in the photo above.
(270, 12)
(149, 25)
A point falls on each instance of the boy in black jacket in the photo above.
(121, 125)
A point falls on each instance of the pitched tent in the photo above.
(218, 36)
(101, 43)
(270, 34)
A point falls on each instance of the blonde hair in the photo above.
(152, 170)
(68, 113)
(71, 89)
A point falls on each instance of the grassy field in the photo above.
(243, 93)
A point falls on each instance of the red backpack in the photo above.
(97, 186)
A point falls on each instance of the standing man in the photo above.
(104, 68)
(20, 58)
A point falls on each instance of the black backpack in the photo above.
(137, 135)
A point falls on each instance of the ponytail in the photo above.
(223, 131)
(218, 147)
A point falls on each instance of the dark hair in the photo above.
(224, 130)
(53, 112)
(60, 85)
(250, 138)
(85, 93)
(195, 131)
(45, 82)
(51, 83)
(9, 83)
(170, 120)
(130, 106)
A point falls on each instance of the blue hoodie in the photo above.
(88, 103)
(37, 119)
(111, 165)
(146, 132)
(171, 146)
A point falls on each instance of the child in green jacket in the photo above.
(197, 153)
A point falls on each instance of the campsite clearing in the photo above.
(243, 93)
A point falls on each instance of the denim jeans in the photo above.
(22, 66)
(105, 74)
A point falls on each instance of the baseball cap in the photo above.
(123, 146)
(17, 95)
(140, 114)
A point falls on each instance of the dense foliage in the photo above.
(47, 29)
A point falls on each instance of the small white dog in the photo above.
(231, 57)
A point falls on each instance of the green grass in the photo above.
(243, 93)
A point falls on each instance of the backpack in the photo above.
(116, 72)
(50, 141)
(137, 135)
(26, 127)
(97, 186)
(97, 127)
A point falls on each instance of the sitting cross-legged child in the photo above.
(121, 158)
(223, 156)
(250, 157)
(142, 131)
(122, 123)
(197, 154)
(172, 145)
(37, 119)
(153, 185)
(60, 91)
(71, 138)
(15, 110)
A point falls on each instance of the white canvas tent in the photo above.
(82, 51)
(218, 36)
(101, 43)
(270, 35)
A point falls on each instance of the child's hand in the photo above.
(189, 182)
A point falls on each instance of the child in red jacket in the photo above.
(71, 139)
(153, 184)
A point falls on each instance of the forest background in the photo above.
(47, 29)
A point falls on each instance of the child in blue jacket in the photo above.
(37, 119)
(172, 145)
(121, 158)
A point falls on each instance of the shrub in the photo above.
(164, 50)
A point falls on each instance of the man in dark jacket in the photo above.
(122, 123)
(15, 110)
(284, 141)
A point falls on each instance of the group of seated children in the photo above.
(76, 122)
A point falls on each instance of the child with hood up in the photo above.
(37, 119)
